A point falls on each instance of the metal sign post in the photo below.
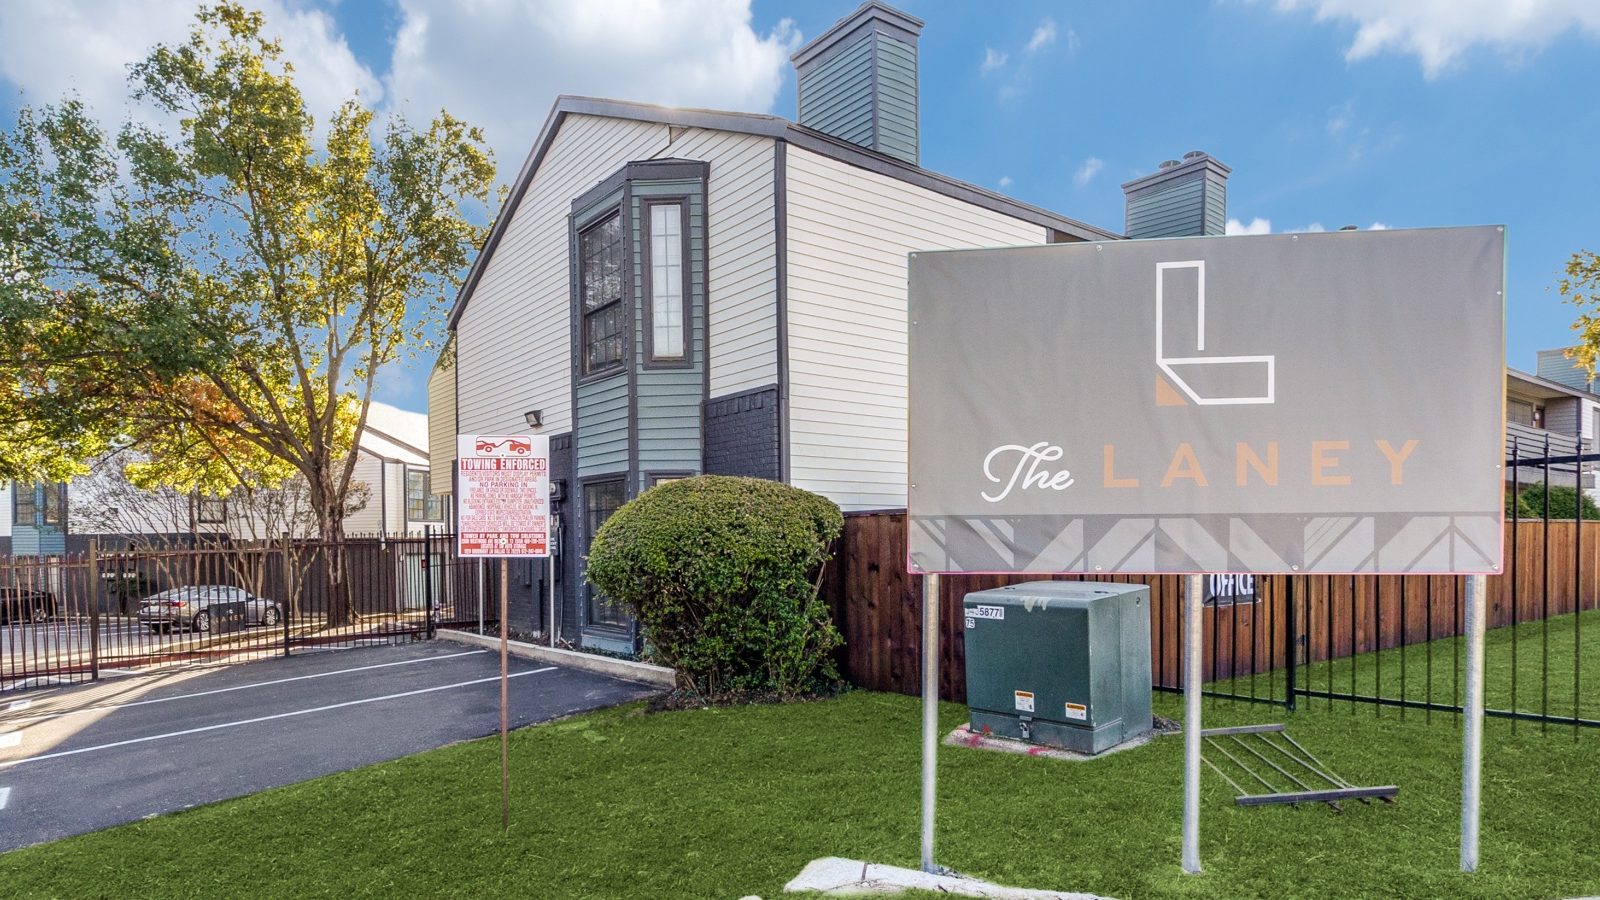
(1472, 721)
(1194, 592)
(505, 707)
(930, 713)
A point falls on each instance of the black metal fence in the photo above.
(1393, 643)
(73, 618)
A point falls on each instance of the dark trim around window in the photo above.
(686, 270)
(651, 479)
(619, 622)
(613, 311)
(210, 510)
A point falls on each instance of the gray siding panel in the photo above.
(1174, 212)
(836, 96)
(603, 426)
(897, 98)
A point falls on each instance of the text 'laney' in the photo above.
(1021, 467)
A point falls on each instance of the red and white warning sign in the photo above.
(503, 495)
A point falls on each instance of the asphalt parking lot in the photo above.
(77, 759)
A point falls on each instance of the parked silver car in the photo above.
(187, 608)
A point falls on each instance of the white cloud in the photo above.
(1377, 226)
(1086, 172)
(1005, 181)
(1257, 225)
(1313, 228)
(1438, 32)
(1043, 36)
(1072, 41)
(48, 48)
(992, 59)
(502, 65)
(1340, 117)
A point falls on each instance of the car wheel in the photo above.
(202, 622)
(158, 629)
(270, 617)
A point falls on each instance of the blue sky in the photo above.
(1330, 112)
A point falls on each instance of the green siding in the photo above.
(836, 96)
(1176, 211)
(897, 98)
(602, 446)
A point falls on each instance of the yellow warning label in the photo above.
(1024, 701)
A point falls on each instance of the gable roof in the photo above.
(760, 125)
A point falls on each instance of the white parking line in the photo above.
(112, 707)
(283, 715)
(10, 739)
(5, 797)
(19, 705)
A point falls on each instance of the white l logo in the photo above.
(1171, 364)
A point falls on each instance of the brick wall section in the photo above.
(528, 598)
(741, 434)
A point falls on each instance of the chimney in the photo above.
(857, 81)
(1182, 198)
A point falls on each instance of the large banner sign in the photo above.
(1328, 403)
(503, 495)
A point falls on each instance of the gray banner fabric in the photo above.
(1328, 403)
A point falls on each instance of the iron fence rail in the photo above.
(1390, 642)
(68, 619)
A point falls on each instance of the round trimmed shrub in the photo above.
(722, 574)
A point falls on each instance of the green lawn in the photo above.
(722, 803)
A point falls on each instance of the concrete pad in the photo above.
(851, 877)
(964, 736)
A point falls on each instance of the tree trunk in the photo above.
(329, 506)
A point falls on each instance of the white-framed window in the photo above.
(668, 310)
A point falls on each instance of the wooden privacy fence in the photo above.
(878, 607)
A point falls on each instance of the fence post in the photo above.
(288, 586)
(427, 576)
(1291, 631)
(94, 611)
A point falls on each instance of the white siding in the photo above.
(849, 231)
(441, 428)
(513, 339)
(742, 256)
(371, 471)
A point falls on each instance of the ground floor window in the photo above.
(600, 500)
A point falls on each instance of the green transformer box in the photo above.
(1060, 663)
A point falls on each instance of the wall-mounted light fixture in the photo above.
(535, 417)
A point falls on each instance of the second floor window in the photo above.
(666, 281)
(600, 273)
(40, 504)
(422, 506)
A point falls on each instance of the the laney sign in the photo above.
(1325, 403)
(503, 491)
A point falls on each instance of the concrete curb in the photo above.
(626, 669)
(853, 878)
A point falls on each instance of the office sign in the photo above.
(1329, 403)
(503, 495)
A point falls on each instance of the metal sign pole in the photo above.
(1472, 724)
(930, 711)
(1193, 598)
(505, 752)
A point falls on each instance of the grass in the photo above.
(729, 802)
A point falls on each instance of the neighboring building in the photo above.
(391, 479)
(676, 292)
(1555, 408)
